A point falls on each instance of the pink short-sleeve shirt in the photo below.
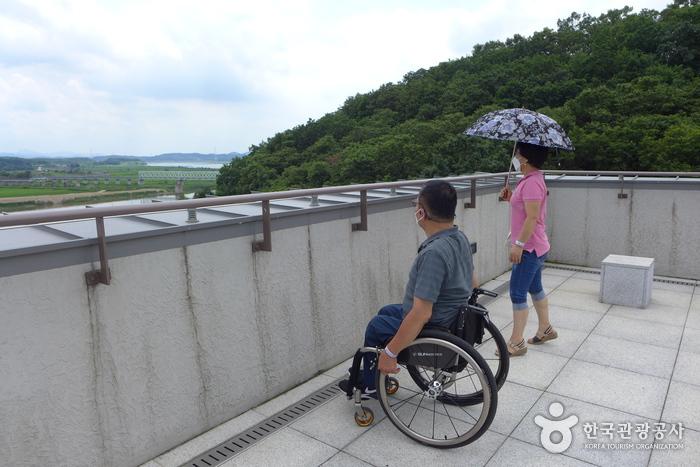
(530, 188)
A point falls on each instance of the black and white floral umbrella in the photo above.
(521, 125)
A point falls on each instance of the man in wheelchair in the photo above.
(440, 281)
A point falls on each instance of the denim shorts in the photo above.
(527, 277)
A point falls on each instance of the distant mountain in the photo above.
(28, 154)
(169, 157)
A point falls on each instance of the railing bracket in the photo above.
(103, 275)
(622, 194)
(266, 243)
(471, 204)
(362, 225)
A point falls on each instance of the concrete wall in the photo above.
(587, 222)
(186, 338)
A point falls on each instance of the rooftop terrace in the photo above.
(193, 331)
(610, 364)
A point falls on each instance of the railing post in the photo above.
(192, 216)
(622, 194)
(266, 243)
(103, 276)
(362, 225)
(472, 193)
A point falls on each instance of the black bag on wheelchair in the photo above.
(470, 323)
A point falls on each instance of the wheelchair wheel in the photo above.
(430, 414)
(492, 340)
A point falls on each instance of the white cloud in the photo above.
(144, 77)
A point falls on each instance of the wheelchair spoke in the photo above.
(468, 375)
(403, 388)
(450, 418)
(462, 409)
(403, 401)
(417, 407)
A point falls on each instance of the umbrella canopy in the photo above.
(521, 125)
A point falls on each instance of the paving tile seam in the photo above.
(364, 433)
(560, 454)
(559, 326)
(673, 370)
(681, 326)
(576, 309)
(312, 437)
(353, 456)
(646, 417)
(367, 429)
(542, 391)
(272, 434)
(579, 359)
(271, 437)
(636, 342)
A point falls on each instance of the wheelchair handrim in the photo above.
(468, 435)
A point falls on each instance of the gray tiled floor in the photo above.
(611, 365)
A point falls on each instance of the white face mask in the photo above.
(516, 164)
(421, 217)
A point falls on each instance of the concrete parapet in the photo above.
(185, 338)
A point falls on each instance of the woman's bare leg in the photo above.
(542, 309)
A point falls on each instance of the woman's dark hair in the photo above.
(535, 155)
(439, 199)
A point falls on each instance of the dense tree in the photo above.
(624, 85)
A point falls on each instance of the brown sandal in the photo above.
(515, 350)
(548, 335)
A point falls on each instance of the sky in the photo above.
(146, 77)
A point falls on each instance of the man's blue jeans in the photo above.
(527, 277)
(379, 331)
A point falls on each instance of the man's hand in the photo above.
(516, 254)
(410, 327)
(387, 364)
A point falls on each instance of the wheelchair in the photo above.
(446, 392)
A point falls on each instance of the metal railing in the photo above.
(623, 173)
(621, 176)
(99, 213)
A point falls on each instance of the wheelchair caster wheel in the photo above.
(365, 420)
(392, 385)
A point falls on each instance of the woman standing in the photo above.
(529, 246)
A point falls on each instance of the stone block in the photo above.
(626, 280)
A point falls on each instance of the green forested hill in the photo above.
(625, 86)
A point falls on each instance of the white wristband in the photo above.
(519, 243)
(389, 352)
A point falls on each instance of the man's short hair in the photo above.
(535, 155)
(439, 199)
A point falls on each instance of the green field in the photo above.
(122, 171)
(13, 192)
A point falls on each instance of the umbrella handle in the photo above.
(510, 167)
